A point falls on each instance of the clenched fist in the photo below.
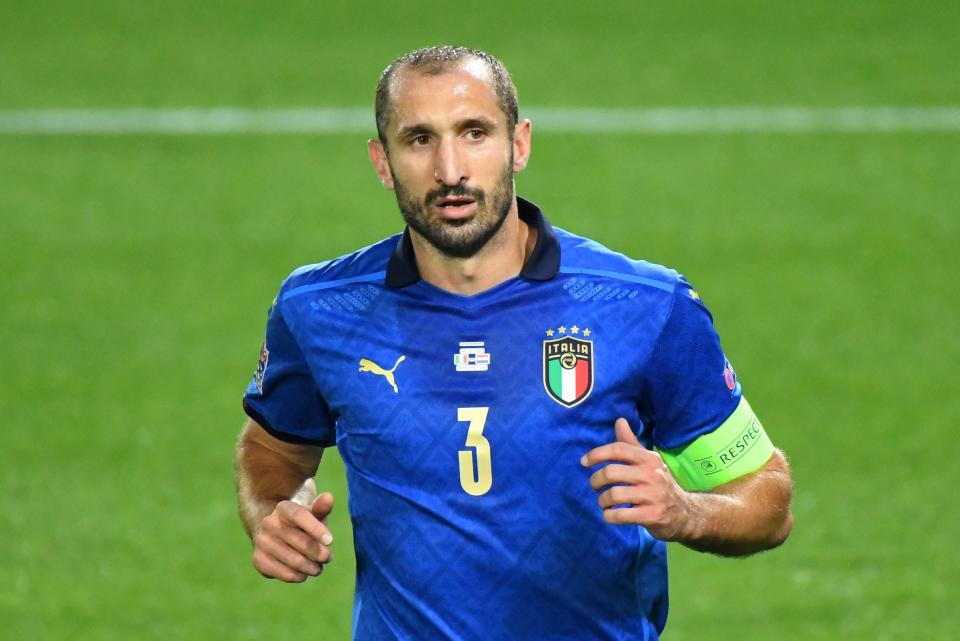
(293, 541)
(639, 479)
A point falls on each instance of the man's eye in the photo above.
(475, 134)
(421, 139)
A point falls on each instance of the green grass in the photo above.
(137, 272)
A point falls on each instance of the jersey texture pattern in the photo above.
(462, 420)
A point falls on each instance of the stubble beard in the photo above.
(459, 238)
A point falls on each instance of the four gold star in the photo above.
(575, 329)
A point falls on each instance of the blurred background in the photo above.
(136, 270)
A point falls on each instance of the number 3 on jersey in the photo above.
(475, 480)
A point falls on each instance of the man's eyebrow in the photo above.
(477, 123)
(412, 131)
(408, 132)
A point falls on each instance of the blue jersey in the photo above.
(462, 420)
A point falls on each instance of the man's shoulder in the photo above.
(365, 265)
(580, 255)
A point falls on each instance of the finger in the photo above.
(305, 544)
(306, 493)
(299, 516)
(624, 433)
(621, 495)
(322, 505)
(273, 569)
(616, 451)
(616, 473)
(623, 516)
(283, 553)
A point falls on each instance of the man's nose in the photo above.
(449, 166)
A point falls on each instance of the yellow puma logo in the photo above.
(366, 365)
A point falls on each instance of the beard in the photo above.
(459, 238)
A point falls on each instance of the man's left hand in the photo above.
(642, 482)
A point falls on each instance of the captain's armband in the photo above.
(737, 447)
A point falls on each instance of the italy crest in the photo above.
(568, 369)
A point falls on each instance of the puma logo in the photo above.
(366, 365)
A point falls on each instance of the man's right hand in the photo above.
(293, 541)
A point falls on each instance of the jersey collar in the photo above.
(543, 263)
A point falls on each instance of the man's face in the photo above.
(450, 157)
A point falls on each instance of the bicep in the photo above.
(748, 514)
(771, 485)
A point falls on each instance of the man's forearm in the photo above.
(267, 474)
(744, 516)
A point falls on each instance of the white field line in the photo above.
(329, 120)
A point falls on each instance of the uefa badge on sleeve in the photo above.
(261, 366)
(729, 376)
(568, 366)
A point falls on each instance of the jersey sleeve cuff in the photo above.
(736, 448)
(296, 439)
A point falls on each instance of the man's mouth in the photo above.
(452, 202)
(456, 208)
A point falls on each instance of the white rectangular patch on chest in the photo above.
(472, 357)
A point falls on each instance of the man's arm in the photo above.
(747, 515)
(290, 537)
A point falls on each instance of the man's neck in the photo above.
(501, 259)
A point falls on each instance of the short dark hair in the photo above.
(436, 60)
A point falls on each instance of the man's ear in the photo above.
(378, 157)
(521, 145)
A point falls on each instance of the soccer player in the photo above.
(525, 415)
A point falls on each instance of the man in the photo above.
(488, 381)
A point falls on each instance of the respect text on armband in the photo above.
(728, 455)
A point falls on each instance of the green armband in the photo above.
(736, 448)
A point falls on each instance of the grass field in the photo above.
(137, 271)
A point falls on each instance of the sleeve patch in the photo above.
(736, 448)
(261, 366)
(729, 376)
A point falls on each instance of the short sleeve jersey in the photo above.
(462, 420)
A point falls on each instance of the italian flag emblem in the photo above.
(568, 369)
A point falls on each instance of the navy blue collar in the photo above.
(542, 264)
